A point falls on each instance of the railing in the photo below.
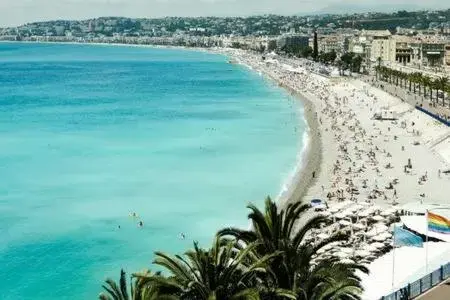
(446, 122)
(418, 287)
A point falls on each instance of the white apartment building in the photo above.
(381, 45)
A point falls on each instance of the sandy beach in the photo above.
(362, 159)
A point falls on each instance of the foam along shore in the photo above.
(363, 167)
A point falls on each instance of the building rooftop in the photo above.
(380, 33)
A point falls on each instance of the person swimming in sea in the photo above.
(182, 236)
(141, 224)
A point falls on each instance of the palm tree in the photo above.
(411, 77)
(420, 81)
(275, 230)
(143, 286)
(226, 271)
(416, 79)
(405, 77)
(116, 292)
(435, 85)
(426, 81)
(377, 72)
(397, 75)
(447, 90)
(441, 84)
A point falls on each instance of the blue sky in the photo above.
(15, 12)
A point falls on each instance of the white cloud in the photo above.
(14, 12)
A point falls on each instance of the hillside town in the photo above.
(417, 40)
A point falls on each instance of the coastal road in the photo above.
(440, 292)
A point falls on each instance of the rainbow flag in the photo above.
(438, 223)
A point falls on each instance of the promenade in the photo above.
(412, 98)
(440, 292)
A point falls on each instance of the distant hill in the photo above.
(382, 6)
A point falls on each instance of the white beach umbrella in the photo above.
(363, 213)
(349, 212)
(327, 247)
(334, 209)
(344, 204)
(325, 213)
(376, 230)
(347, 261)
(341, 254)
(345, 223)
(378, 238)
(362, 253)
(374, 208)
(340, 215)
(323, 236)
(378, 245)
(386, 235)
(321, 250)
(378, 218)
(392, 210)
(352, 208)
(359, 226)
(347, 250)
(369, 247)
(386, 213)
(358, 207)
(371, 233)
(380, 227)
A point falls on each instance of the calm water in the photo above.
(89, 134)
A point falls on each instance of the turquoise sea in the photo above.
(89, 134)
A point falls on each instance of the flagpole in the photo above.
(393, 259)
(426, 241)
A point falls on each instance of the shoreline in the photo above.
(309, 157)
